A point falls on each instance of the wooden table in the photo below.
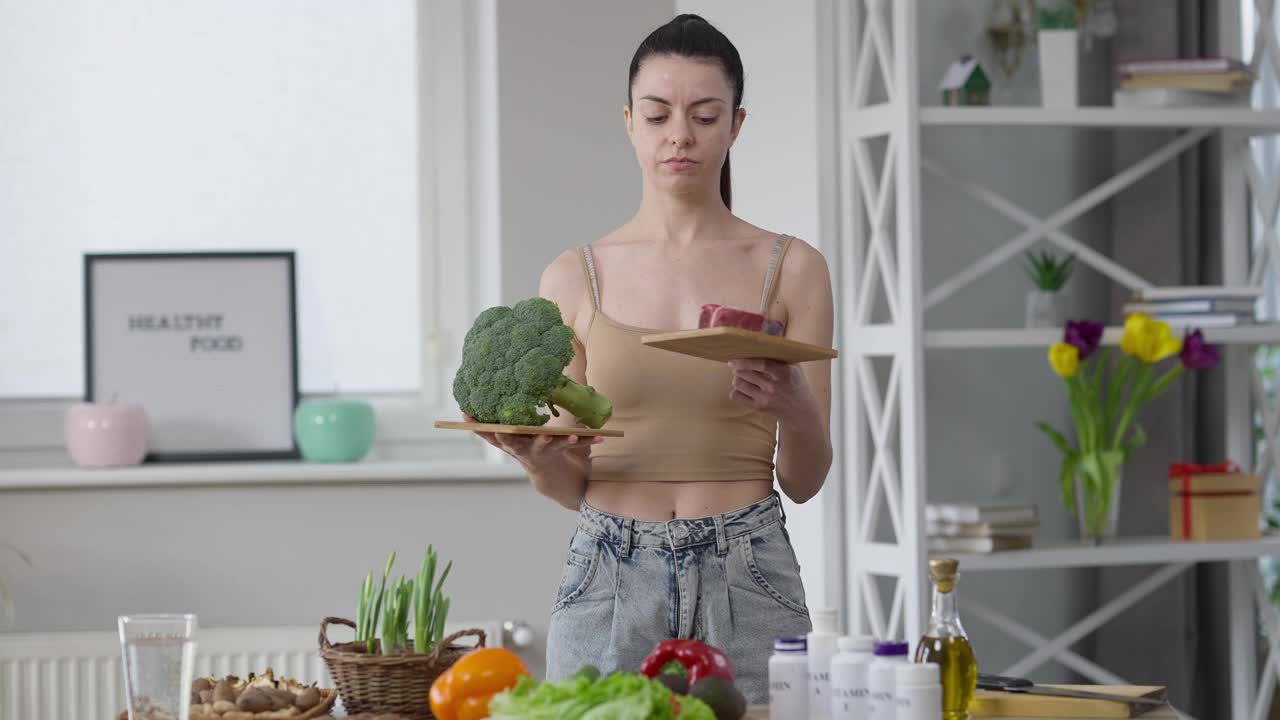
(760, 712)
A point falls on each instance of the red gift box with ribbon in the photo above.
(1213, 502)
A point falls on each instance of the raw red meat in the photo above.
(725, 316)
(704, 320)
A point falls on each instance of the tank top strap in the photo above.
(780, 247)
(589, 269)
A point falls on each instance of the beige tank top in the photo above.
(675, 410)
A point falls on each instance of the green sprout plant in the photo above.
(430, 607)
(370, 607)
(1062, 16)
(420, 600)
(395, 620)
(1048, 272)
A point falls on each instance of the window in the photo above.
(210, 125)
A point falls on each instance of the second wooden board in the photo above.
(727, 343)
(525, 429)
(992, 704)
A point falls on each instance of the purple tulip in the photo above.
(1196, 353)
(1084, 335)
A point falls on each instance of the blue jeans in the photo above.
(729, 580)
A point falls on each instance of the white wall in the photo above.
(263, 556)
(568, 173)
(775, 168)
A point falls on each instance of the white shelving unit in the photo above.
(1259, 121)
(883, 302)
(1124, 551)
(1246, 335)
(280, 472)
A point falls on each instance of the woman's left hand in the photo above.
(773, 387)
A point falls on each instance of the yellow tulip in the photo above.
(1148, 340)
(1134, 326)
(1065, 359)
(1167, 345)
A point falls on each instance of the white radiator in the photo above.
(77, 675)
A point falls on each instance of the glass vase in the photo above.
(1097, 501)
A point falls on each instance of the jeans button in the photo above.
(680, 532)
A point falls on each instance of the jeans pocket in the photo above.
(771, 564)
(579, 568)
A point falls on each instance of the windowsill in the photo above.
(285, 472)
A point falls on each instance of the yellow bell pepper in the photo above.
(463, 692)
(1065, 359)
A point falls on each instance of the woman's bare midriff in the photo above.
(675, 500)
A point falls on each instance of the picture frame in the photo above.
(205, 342)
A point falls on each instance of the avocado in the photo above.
(590, 672)
(725, 700)
(678, 684)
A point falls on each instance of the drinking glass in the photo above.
(158, 655)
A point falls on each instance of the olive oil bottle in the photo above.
(946, 644)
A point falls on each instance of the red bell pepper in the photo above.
(700, 659)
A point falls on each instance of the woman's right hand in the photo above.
(537, 453)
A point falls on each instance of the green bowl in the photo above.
(334, 430)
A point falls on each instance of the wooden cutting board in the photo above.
(526, 429)
(994, 704)
(727, 343)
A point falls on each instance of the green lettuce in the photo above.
(620, 696)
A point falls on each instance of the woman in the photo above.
(680, 532)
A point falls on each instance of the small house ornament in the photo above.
(965, 83)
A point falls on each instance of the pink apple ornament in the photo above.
(111, 434)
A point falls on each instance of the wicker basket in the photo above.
(399, 684)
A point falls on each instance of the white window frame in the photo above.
(458, 235)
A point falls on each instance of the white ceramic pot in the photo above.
(1059, 63)
(1044, 309)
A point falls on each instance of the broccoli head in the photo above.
(513, 362)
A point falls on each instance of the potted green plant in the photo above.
(1105, 392)
(1059, 44)
(1049, 274)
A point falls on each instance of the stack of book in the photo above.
(1198, 306)
(1183, 82)
(980, 527)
